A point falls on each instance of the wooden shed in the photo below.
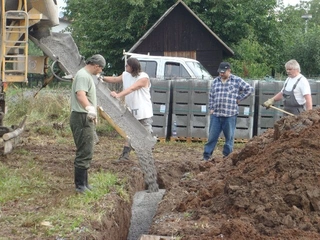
(180, 32)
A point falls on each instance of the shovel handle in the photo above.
(281, 110)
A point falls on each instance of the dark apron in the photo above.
(290, 102)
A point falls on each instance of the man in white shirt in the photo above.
(296, 92)
(136, 90)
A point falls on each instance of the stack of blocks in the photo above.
(190, 108)
(267, 117)
(245, 119)
(161, 98)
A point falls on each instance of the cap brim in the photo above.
(223, 70)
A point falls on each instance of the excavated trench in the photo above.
(129, 219)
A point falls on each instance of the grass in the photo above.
(30, 183)
(48, 115)
(47, 112)
(47, 106)
(75, 209)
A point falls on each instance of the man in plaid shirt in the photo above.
(227, 91)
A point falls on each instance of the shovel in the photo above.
(281, 110)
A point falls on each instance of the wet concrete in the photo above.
(143, 210)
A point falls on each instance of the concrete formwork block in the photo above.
(198, 132)
(181, 108)
(182, 121)
(265, 118)
(245, 119)
(315, 93)
(200, 92)
(160, 91)
(160, 132)
(160, 120)
(242, 133)
(200, 109)
(199, 120)
(244, 127)
(181, 91)
(199, 126)
(160, 108)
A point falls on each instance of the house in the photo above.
(180, 32)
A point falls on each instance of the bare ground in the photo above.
(267, 189)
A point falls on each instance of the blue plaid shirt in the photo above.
(223, 97)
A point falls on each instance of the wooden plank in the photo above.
(154, 237)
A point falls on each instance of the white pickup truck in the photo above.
(167, 68)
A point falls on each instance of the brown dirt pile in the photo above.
(267, 190)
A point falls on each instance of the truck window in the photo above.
(199, 71)
(150, 67)
(175, 70)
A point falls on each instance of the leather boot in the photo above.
(125, 154)
(79, 180)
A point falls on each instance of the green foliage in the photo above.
(103, 27)
(234, 20)
(34, 49)
(250, 59)
(306, 50)
(114, 25)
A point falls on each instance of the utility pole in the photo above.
(306, 17)
(305, 4)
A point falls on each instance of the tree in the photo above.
(108, 27)
(250, 59)
(296, 43)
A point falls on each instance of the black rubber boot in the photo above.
(89, 187)
(125, 154)
(79, 180)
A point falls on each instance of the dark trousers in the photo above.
(82, 129)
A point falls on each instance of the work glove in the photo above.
(92, 113)
(268, 103)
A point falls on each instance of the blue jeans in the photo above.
(217, 124)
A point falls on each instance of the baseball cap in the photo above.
(97, 59)
(224, 66)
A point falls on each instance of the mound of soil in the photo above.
(267, 190)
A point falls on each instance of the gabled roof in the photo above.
(166, 14)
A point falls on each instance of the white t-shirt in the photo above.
(138, 101)
(302, 88)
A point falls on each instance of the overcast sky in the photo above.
(61, 3)
(291, 2)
